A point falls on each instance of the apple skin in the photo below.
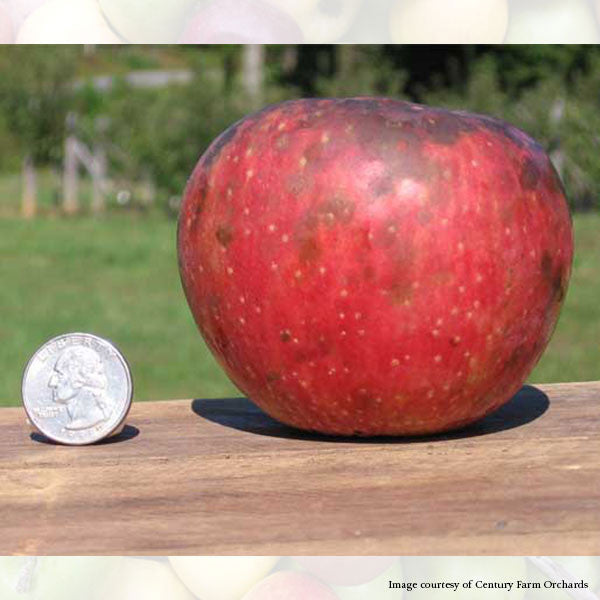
(373, 267)
(376, 589)
(580, 567)
(221, 577)
(321, 22)
(552, 22)
(147, 579)
(19, 10)
(11, 570)
(6, 26)
(67, 22)
(346, 570)
(443, 22)
(241, 21)
(58, 577)
(148, 21)
(290, 585)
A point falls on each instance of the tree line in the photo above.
(78, 109)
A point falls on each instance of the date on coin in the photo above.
(77, 389)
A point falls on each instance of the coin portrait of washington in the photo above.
(77, 389)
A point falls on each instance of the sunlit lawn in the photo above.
(117, 277)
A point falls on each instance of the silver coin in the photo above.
(77, 389)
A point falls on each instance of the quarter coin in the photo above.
(77, 389)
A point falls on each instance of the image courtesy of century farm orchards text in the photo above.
(300, 578)
(367, 266)
(298, 21)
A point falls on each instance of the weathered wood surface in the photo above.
(219, 477)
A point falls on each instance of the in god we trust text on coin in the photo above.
(77, 389)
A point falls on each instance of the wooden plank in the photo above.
(219, 477)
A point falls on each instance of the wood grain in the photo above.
(220, 477)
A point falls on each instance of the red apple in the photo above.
(289, 585)
(368, 266)
(241, 21)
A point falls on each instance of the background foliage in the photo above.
(115, 274)
(158, 132)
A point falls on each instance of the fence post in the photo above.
(253, 71)
(70, 200)
(98, 180)
(29, 195)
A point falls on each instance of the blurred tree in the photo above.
(362, 71)
(35, 96)
(151, 136)
(254, 72)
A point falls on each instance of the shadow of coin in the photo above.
(129, 432)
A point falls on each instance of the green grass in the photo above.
(118, 277)
(574, 351)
